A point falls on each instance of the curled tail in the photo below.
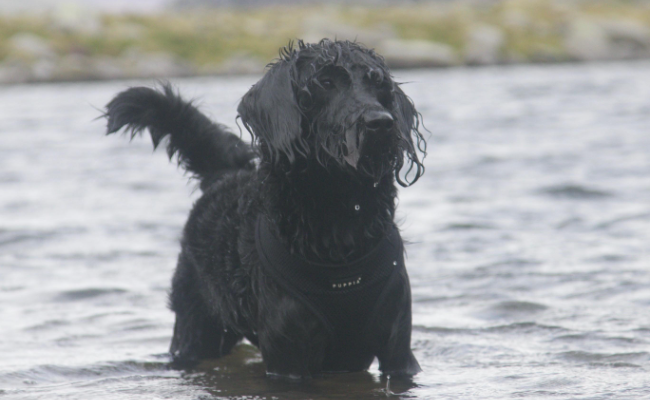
(206, 149)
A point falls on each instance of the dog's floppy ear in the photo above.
(409, 121)
(271, 114)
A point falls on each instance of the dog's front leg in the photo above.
(392, 328)
(292, 340)
(395, 356)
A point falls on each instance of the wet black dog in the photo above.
(293, 243)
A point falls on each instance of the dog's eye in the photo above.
(376, 77)
(326, 83)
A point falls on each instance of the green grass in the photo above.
(211, 37)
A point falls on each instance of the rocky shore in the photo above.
(75, 45)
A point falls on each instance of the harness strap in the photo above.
(343, 296)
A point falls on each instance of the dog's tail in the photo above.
(206, 149)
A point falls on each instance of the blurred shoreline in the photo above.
(75, 44)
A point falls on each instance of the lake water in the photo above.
(529, 243)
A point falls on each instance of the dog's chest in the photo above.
(345, 297)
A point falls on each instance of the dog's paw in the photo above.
(403, 367)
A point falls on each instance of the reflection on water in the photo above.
(528, 244)
(242, 374)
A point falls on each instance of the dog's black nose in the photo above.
(378, 120)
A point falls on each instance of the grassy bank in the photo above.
(87, 46)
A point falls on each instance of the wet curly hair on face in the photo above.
(292, 115)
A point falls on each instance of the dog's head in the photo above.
(336, 103)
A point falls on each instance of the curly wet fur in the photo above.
(331, 131)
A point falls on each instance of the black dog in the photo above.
(293, 244)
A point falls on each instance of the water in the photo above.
(529, 249)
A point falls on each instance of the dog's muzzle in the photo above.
(373, 122)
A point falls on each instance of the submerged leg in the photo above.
(292, 341)
(198, 334)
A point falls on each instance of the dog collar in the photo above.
(314, 277)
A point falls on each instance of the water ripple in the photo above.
(575, 192)
(614, 359)
(84, 294)
(58, 373)
(512, 309)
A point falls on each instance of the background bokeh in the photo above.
(48, 40)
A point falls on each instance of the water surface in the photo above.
(529, 244)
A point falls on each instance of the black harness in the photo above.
(345, 297)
